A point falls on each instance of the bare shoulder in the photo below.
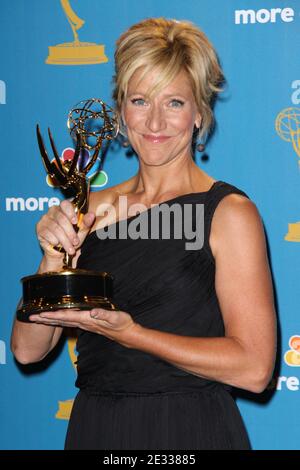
(236, 207)
(236, 221)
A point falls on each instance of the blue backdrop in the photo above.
(256, 147)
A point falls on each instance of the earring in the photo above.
(200, 146)
(123, 132)
(125, 143)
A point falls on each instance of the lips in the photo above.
(156, 139)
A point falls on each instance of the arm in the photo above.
(31, 342)
(245, 357)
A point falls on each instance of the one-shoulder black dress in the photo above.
(133, 400)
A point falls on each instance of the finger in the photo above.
(66, 315)
(100, 313)
(38, 319)
(85, 225)
(69, 210)
(57, 323)
(51, 312)
(61, 236)
(35, 319)
(43, 232)
(47, 323)
(53, 321)
(66, 224)
(47, 238)
(51, 233)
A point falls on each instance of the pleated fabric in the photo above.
(129, 399)
(166, 421)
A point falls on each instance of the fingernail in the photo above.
(75, 241)
(74, 220)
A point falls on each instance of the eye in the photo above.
(176, 103)
(138, 101)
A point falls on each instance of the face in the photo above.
(160, 129)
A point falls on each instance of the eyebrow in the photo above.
(169, 95)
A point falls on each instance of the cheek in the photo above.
(132, 116)
(184, 122)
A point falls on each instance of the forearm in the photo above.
(220, 359)
(30, 342)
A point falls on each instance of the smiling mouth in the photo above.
(156, 139)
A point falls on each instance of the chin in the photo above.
(156, 156)
(155, 161)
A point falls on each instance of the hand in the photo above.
(114, 324)
(57, 227)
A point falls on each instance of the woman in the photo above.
(192, 322)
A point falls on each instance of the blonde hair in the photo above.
(170, 46)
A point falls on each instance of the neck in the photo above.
(176, 177)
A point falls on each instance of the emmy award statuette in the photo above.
(91, 122)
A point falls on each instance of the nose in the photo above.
(156, 121)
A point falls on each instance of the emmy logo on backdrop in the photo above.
(65, 407)
(76, 52)
(287, 126)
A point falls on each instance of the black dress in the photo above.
(133, 400)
